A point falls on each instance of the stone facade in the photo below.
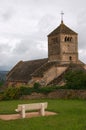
(63, 47)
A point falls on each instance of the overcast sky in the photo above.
(25, 24)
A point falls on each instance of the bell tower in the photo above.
(63, 44)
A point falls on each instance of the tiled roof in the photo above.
(23, 70)
(62, 28)
(40, 71)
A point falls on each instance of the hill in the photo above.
(3, 75)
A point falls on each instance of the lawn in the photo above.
(71, 116)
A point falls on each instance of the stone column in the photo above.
(42, 109)
(23, 111)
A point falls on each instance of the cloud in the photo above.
(47, 23)
(82, 54)
(6, 14)
(25, 24)
(81, 27)
(30, 49)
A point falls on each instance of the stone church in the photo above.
(62, 56)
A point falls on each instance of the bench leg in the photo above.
(23, 112)
(42, 111)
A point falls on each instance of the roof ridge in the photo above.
(36, 60)
(62, 28)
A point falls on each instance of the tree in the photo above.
(75, 79)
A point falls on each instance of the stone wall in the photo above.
(69, 48)
(59, 94)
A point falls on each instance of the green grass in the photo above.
(71, 116)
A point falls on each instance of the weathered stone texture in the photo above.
(63, 47)
(59, 94)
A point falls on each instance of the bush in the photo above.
(25, 90)
(1, 96)
(11, 93)
(2, 83)
(36, 85)
(48, 89)
(75, 79)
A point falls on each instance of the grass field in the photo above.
(71, 116)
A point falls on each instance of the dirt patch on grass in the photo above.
(28, 115)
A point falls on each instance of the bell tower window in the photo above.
(68, 39)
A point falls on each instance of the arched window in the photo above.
(70, 58)
(65, 39)
(68, 39)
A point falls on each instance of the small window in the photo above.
(70, 58)
(65, 39)
(68, 39)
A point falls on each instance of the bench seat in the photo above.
(29, 107)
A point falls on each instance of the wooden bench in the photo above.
(29, 107)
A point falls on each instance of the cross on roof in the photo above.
(62, 16)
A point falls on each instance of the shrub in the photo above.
(75, 79)
(2, 83)
(48, 89)
(11, 93)
(1, 96)
(25, 90)
(36, 85)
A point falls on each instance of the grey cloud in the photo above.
(81, 29)
(30, 49)
(81, 18)
(46, 23)
(7, 13)
(6, 16)
(4, 48)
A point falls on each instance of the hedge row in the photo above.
(15, 93)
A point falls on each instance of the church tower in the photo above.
(63, 44)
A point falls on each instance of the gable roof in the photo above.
(40, 71)
(62, 28)
(23, 70)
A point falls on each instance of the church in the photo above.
(62, 56)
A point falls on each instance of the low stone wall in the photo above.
(58, 94)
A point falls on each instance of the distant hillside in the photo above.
(3, 75)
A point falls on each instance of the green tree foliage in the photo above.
(11, 93)
(75, 79)
(36, 85)
(1, 83)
